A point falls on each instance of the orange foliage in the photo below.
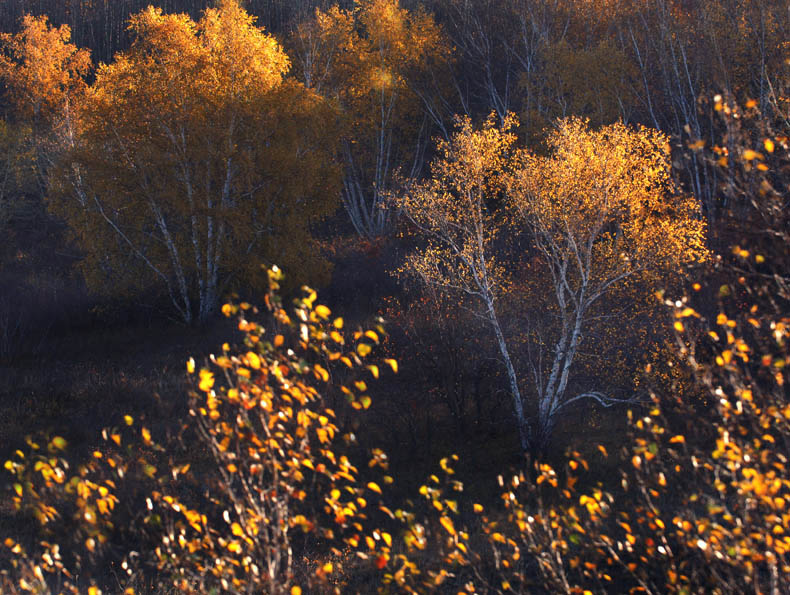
(43, 70)
(602, 211)
(368, 59)
(281, 474)
(225, 162)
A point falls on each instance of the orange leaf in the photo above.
(447, 523)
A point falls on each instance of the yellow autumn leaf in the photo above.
(321, 373)
(59, 443)
(750, 155)
(447, 523)
(253, 360)
(206, 380)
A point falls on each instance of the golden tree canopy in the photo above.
(603, 201)
(455, 209)
(369, 61)
(602, 211)
(42, 68)
(198, 159)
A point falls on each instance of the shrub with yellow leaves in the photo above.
(279, 480)
(264, 501)
(79, 525)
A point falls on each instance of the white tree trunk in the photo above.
(518, 404)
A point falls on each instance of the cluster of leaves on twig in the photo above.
(268, 478)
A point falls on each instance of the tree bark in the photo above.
(518, 404)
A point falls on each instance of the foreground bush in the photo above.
(703, 503)
(279, 476)
(264, 484)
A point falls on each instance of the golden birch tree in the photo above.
(197, 159)
(454, 213)
(44, 76)
(41, 68)
(603, 211)
(368, 60)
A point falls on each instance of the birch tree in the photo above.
(602, 212)
(453, 212)
(42, 69)
(44, 75)
(197, 160)
(367, 60)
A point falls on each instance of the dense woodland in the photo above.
(464, 296)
